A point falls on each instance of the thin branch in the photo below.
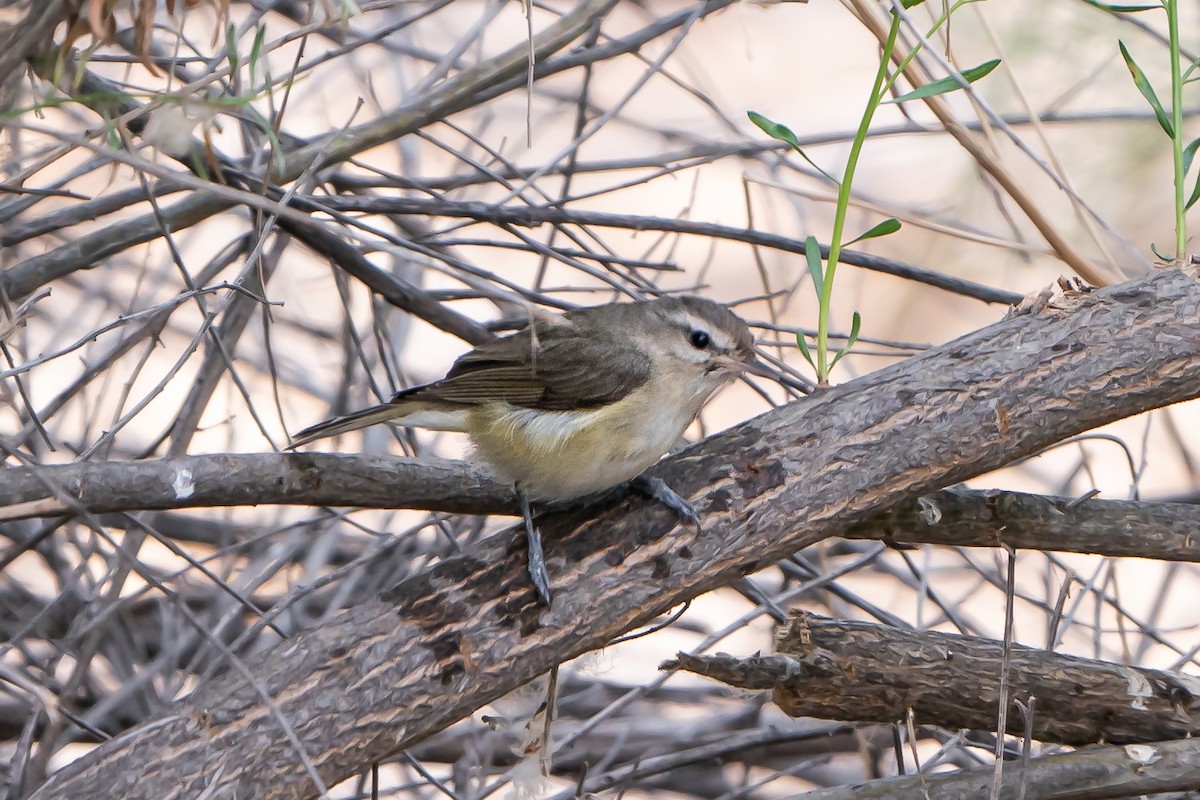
(1130, 771)
(527, 216)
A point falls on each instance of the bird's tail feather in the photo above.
(402, 411)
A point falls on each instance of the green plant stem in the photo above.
(1172, 8)
(843, 202)
(895, 76)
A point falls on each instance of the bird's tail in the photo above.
(402, 409)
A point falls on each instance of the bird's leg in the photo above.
(657, 489)
(537, 560)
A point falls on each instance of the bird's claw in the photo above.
(657, 489)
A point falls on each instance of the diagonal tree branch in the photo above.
(389, 673)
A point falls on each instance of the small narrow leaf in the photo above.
(256, 53)
(784, 134)
(804, 351)
(774, 129)
(888, 226)
(947, 84)
(1143, 85)
(110, 134)
(812, 254)
(855, 324)
(911, 3)
(1191, 201)
(1117, 8)
(231, 49)
(1189, 154)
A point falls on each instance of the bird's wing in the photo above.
(562, 367)
(558, 367)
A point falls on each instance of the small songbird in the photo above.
(581, 402)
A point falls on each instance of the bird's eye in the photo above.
(699, 339)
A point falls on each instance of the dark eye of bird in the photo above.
(699, 339)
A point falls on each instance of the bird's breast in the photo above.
(555, 455)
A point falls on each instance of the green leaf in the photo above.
(1160, 256)
(855, 324)
(812, 254)
(256, 53)
(947, 84)
(1117, 8)
(1143, 85)
(911, 3)
(1189, 154)
(784, 134)
(110, 133)
(888, 226)
(774, 129)
(804, 351)
(231, 49)
(1191, 201)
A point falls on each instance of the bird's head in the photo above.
(696, 340)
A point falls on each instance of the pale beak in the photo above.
(764, 370)
(759, 368)
(753, 367)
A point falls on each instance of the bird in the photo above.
(577, 403)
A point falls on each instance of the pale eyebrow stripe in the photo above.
(692, 322)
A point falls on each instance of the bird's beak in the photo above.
(759, 368)
(753, 367)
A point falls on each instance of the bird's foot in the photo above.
(657, 489)
(537, 559)
(537, 567)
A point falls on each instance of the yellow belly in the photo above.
(555, 455)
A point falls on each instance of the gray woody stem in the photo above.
(961, 517)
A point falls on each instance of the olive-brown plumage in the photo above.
(578, 403)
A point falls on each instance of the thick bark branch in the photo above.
(961, 518)
(956, 517)
(388, 673)
(857, 671)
